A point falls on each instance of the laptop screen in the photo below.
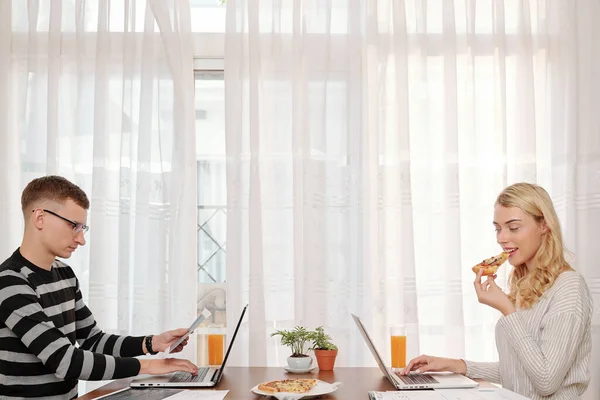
(237, 328)
(372, 348)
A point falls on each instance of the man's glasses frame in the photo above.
(77, 226)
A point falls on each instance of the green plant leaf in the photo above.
(295, 339)
(321, 341)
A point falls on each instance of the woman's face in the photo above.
(519, 233)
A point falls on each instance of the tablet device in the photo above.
(203, 315)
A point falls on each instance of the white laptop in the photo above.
(415, 381)
(207, 376)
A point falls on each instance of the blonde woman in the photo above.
(543, 338)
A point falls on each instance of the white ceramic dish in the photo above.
(298, 371)
(320, 389)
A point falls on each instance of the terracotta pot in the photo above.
(326, 359)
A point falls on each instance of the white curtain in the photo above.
(101, 92)
(366, 143)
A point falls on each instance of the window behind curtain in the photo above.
(211, 203)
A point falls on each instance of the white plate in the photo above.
(320, 389)
(299, 370)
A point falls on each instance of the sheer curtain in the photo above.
(366, 143)
(101, 92)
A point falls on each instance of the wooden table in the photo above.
(356, 382)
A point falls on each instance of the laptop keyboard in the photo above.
(187, 377)
(415, 379)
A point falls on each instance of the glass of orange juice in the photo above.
(398, 346)
(216, 347)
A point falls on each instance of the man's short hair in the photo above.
(52, 188)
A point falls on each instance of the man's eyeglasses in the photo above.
(77, 226)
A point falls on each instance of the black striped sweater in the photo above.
(49, 338)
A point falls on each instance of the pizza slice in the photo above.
(288, 385)
(491, 265)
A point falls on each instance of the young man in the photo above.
(42, 313)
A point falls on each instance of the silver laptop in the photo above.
(414, 381)
(207, 376)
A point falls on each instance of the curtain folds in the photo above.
(366, 144)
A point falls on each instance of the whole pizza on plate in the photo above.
(288, 385)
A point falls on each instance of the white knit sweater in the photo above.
(545, 351)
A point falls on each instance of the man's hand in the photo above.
(490, 294)
(426, 363)
(167, 365)
(163, 341)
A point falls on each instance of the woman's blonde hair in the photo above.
(525, 288)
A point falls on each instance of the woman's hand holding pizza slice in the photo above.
(490, 265)
(488, 291)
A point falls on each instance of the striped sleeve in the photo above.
(548, 361)
(24, 316)
(90, 337)
(490, 371)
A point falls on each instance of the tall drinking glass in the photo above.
(398, 346)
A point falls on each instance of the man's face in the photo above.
(57, 234)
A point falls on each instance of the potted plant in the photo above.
(296, 340)
(325, 350)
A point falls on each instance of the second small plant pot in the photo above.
(299, 362)
(326, 359)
